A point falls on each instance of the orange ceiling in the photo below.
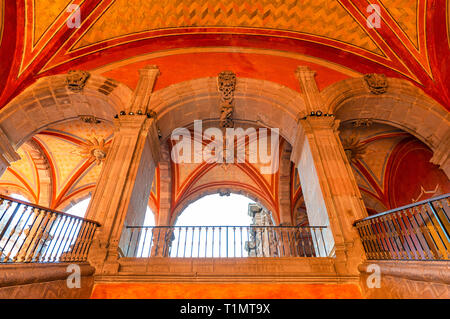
(193, 38)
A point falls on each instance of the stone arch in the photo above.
(49, 101)
(403, 105)
(263, 103)
(74, 200)
(44, 172)
(198, 194)
(9, 190)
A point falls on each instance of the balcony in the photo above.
(408, 243)
(419, 231)
(34, 234)
(224, 241)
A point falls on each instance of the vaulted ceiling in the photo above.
(196, 38)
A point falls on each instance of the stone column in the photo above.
(7, 153)
(124, 185)
(329, 187)
(284, 185)
(165, 188)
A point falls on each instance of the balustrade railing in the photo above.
(31, 233)
(223, 241)
(419, 231)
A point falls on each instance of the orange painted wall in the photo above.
(184, 67)
(224, 291)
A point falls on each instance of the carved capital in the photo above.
(311, 123)
(353, 147)
(307, 126)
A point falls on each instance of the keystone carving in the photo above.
(76, 80)
(377, 83)
(226, 83)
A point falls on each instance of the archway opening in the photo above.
(217, 210)
(220, 225)
(80, 208)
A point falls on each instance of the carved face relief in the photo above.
(377, 83)
(94, 149)
(76, 80)
(98, 154)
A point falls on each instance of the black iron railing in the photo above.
(31, 233)
(224, 241)
(419, 231)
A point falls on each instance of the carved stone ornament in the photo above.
(226, 116)
(94, 149)
(377, 83)
(362, 123)
(226, 84)
(90, 119)
(76, 80)
(353, 148)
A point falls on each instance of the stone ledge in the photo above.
(427, 271)
(23, 274)
(231, 279)
(228, 267)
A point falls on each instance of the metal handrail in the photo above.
(32, 233)
(418, 231)
(425, 201)
(225, 241)
(47, 209)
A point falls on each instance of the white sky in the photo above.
(210, 210)
(216, 210)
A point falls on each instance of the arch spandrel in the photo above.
(256, 101)
(403, 105)
(48, 101)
